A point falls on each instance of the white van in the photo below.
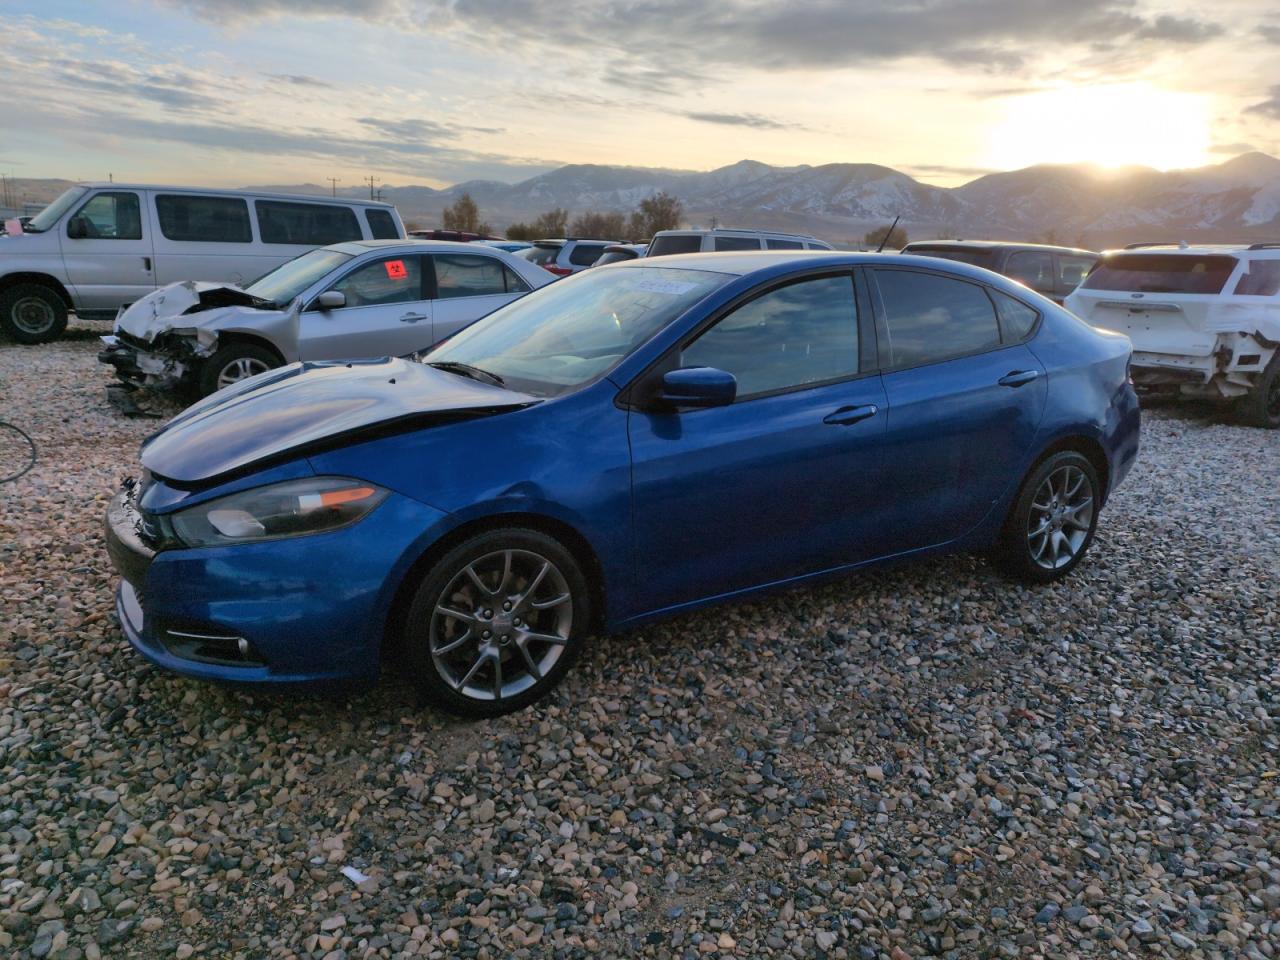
(100, 246)
(666, 242)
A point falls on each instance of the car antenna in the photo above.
(888, 233)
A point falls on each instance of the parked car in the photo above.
(370, 298)
(668, 242)
(458, 236)
(619, 252)
(1051, 271)
(1204, 319)
(565, 256)
(619, 446)
(511, 246)
(102, 245)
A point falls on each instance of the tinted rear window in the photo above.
(585, 254)
(540, 255)
(979, 258)
(675, 243)
(737, 243)
(382, 226)
(774, 243)
(204, 219)
(313, 224)
(1161, 273)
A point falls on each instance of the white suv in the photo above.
(565, 256)
(667, 242)
(1204, 320)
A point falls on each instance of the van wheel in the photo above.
(496, 623)
(1052, 522)
(31, 313)
(1262, 406)
(233, 363)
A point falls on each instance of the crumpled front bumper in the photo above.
(140, 367)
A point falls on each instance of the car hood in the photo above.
(194, 305)
(308, 407)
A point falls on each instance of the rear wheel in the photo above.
(1053, 520)
(496, 623)
(31, 313)
(233, 363)
(1262, 406)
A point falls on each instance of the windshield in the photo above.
(288, 280)
(575, 330)
(1161, 273)
(51, 214)
(979, 258)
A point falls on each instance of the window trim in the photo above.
(628, 399)
(434, 287)
(882, 329)
(248, 216)
(379, 258)
(136, 194)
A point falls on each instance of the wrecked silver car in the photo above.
(371, 298)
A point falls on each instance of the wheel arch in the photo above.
(229, 337)
(566, 534)
(1088, 447)
(40, 279)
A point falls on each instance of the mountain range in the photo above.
(1075, 204)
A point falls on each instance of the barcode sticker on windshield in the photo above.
(672, 288)
(396, 270)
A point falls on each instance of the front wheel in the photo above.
(31, 313)
(1053, 520)
(1262, 406)
(497, 622)
(233, 363)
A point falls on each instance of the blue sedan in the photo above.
(626, 444)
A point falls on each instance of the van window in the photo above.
(1032, 268)
(1261, 280)
(111, 216)
(204, 219)
(777, 243)
(382, 226)
(1161, 273)
(737, 243)
(312, 224)
(927, 318)
(675, 243)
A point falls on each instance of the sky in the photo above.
(239, 92)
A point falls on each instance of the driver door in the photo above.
(107, 250)
(387, 313)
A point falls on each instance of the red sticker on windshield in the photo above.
(396, 270)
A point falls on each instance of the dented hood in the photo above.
(308, 407)
(194, 305)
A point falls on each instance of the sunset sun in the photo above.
(1112, 125)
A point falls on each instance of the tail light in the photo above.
(558, 271)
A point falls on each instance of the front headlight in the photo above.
(289, 509)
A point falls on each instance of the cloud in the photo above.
(298, 80)
(753, 120)
(1269, 32)
(1270, 107)
(940, 169)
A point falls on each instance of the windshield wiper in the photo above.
(467, 370)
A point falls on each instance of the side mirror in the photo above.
(699, 387)
(331, 300)
(77, 229)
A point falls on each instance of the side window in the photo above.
(928, 318)
(109, 216)
(382, 226)
(312, 224)
(1032, 268)
(802, 333)
(737, 243)
(777, 243)
(465, 275)
(1016, 318)
(199, 219)
(1261, 279)
(390, 280)
(585, 254)
(515, 283)
(1072, 270)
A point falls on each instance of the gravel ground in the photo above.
(926, 761)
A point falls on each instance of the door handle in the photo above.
(847, 415)
(413, 317)
(146, 264)
(1017, 378)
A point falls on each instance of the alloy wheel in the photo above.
(33, 316)
(239, 369)
(501, 624)
(1060, 518)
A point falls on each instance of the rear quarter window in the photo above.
(585, 254)
(382, 226)
(1262, 279)
(1161, 273)
(675, 243)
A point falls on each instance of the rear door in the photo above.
(107, 250)
(469, 286)
(203, 237)
(965, 400)
(387, 313)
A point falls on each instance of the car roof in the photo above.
(743, 262)
(993, 244)
(263, 194)
(749, 231)
(357, 247)
(1255, 250)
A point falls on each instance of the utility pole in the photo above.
(333, 181)
(111, 178)
(369, 180)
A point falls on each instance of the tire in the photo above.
(1262, 406)
(32, 313)
(451, 659)
(1060, 496)
(251, 359)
